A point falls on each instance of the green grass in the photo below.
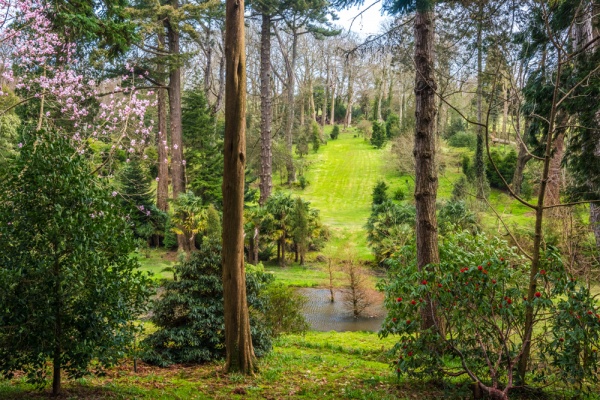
(318, 365)
(157, 261)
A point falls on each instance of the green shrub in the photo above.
(460, 189)
(379, 193)
(479, 289)
(283, 312)
(390, 227)
(335, 133)
(456, 215)
(506, 162)
(399, 194)
(378, 137)
(303, 182)
(392, 126)
(463, 139)
(189, 315)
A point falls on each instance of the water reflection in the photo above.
(323, 315)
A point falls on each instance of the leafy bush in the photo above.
(392, 126)
(460, 189)
(378, 137)
(463, 139)
(69, 289)
(506, 162)
(379, 193)
(283, 312)
(390, 227)
(190, 317)
(480, 289)
(366, 128)
(335, 132)
(456, 215)
(315, 136)
(303, 182)
(399, 194)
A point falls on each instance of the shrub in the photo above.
(456, 215)
(283, 312)
(190, 317)
(303, 182)
(392, 126)
(69, 289)
(463, 139)
(399, 194)
(335, 132)
(480, 289)
(460, 189)
(366, 128)
(389, 227)
(506, 162)
(378, 137)
(379, 193)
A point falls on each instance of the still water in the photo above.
(323, 315)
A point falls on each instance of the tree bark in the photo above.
(332, 118)
(522, 159)
(479, 163)
(348, 118)
(426, 174)
(325, 95)
(266, 111)
(289, 126)
(162, 190)
(175, 119)
(238, 342)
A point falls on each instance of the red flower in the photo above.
(543, 272)
(394, 319)
(501, 258)
(484, 271)
(561, 339)
(439, 285)
(399, 299)
(413, 302)
(423, 282)
(480, 268)
(494, 281)
(410, 353)
(408, 322)
(538, 294)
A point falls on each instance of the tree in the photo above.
(190, 315)
(379, 194)
(378, 138)
(300, 228)
(280, 206)
(59, 248)
(238, 341)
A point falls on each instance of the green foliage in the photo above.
(69, 289)
(399, 194)
(457, 124)
(366, 128)
(300, 227)
(379, 194)
(283, 313)
(190, 317)
(203, 148)
(506, 164)
(335, 132)
(480, 291)
(302, 145)
(389, 228)
(463, 139)
(189, 216)
(137, 195)
(468, 168)
(455, 215)
(392, 126)
(378, 136)
(315, 136)
(460, 189)
(9, 126)
(303, 182)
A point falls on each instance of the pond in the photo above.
(323, 315)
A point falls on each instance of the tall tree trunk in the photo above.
(426, 174)
(479, 163)
(348, 118)
(175, 120)
(522, 159)
(505, 114)
(208, 67)
(289, 126)
(162, 190)
(325, 96)
(238, 342)
(555, 173)
(332, 118)
(56, 359)
(266, 111)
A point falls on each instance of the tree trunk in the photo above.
(266, 111)
(282, 247)
(175, 120)
(162, 190)
(332, 119)
(326, 94)
(238, 342)
(554, 175)
(426, 174)
(348, 118)
(505, 114)
(479, 163)
(289, 126)
(56, 359)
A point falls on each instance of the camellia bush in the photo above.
(479, 290)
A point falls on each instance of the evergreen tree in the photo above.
(380, 193)
(190, 315)
(378, 136)
(300, 228)
(68, 287)
(203, 149)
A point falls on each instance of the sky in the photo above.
(367, 23)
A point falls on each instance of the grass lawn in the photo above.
(156, 261)
(318, 365)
